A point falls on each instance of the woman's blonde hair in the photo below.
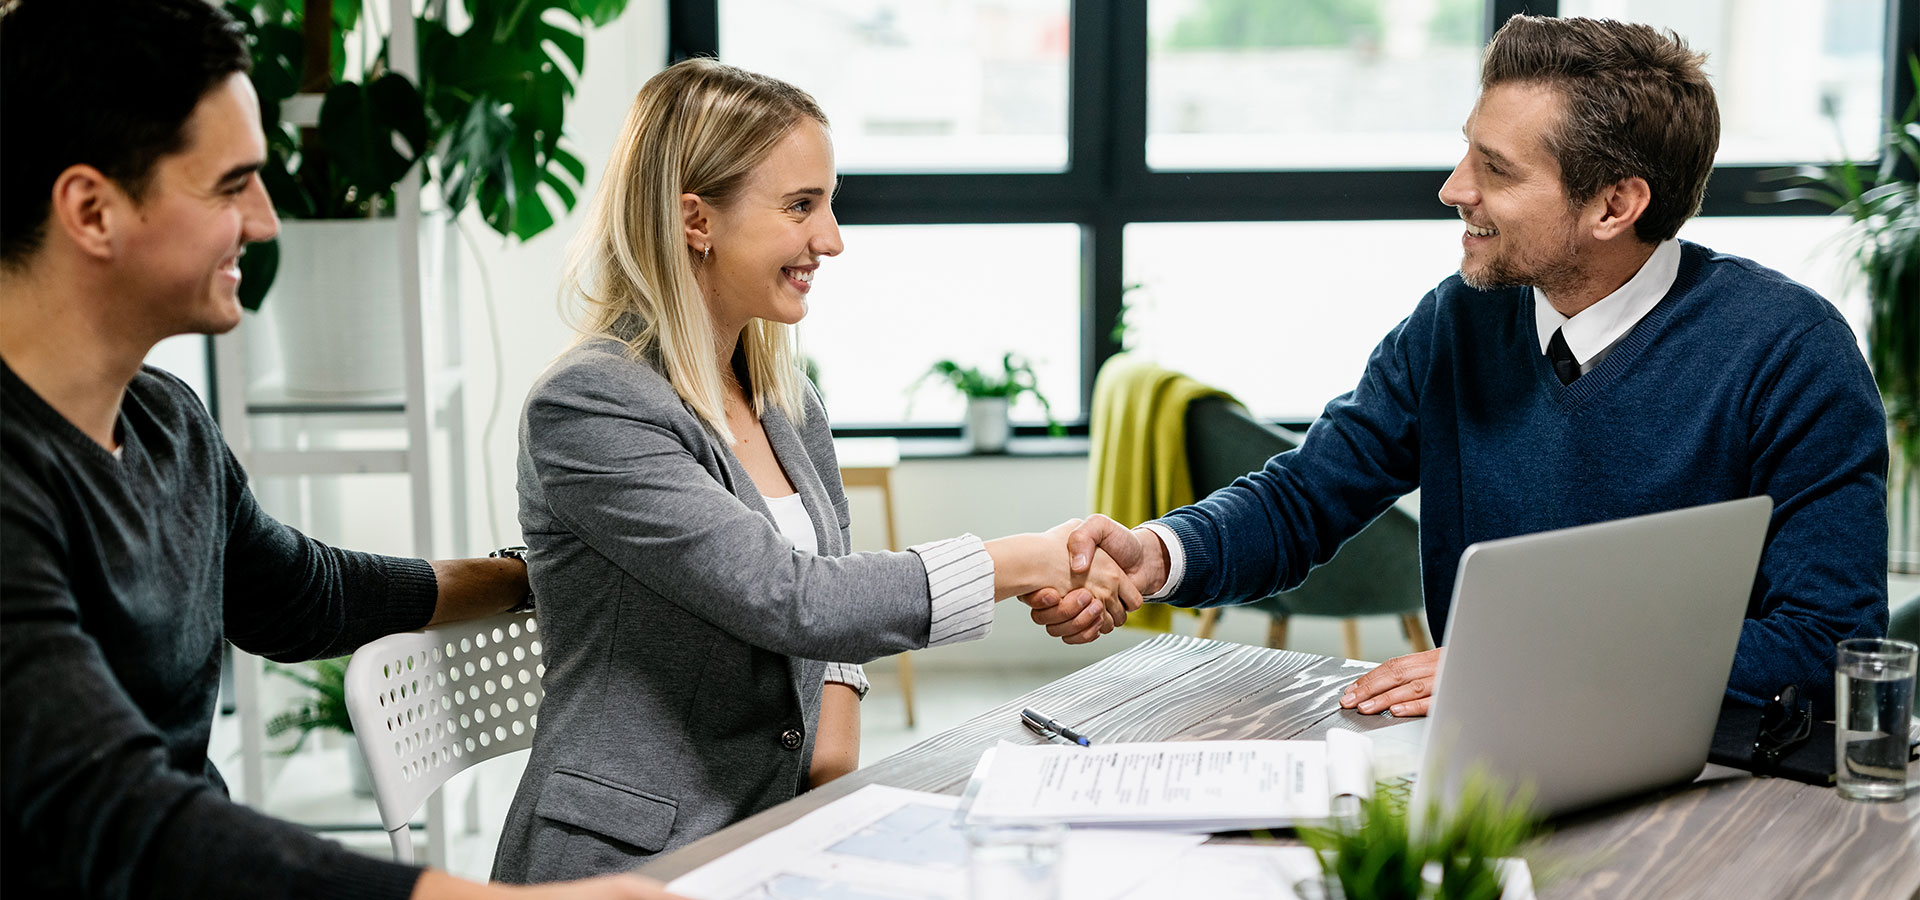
(697, 127)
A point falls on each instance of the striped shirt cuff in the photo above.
(1176, 560)
(850, 675)
(960, 581)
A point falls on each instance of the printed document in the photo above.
(1179, 785)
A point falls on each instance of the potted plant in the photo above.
(1883, 243)
(1378, 855)
(487, 115)
(323, 710)
(989, 394)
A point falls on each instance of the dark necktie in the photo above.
(1564, 365)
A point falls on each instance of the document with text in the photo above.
(1185, 785)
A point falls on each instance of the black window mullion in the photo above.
(1117, 60)
(693, 29)
(1499, 11)
(1903, 40)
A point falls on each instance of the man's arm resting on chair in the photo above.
(472, 588)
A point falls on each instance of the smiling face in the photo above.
(767, 242)
(1521, 228)
(180, 254)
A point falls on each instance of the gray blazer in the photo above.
(683, 635)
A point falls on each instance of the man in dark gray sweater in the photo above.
(130, 545)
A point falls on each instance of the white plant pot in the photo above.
(987, 428)
(336, 308)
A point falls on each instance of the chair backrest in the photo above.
(1377, 571)
(428, 704)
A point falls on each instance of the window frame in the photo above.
(1108, 184)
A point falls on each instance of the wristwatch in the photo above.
(519, 553)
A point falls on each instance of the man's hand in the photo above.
(1138, 552)
(1403, 684)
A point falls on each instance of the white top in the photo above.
(1590, 334)
(790, 517)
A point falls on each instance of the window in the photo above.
(1181, 160)
(1289, 84)
(1282, 314)
(963, 85)
(903, 296)
(1795, 81)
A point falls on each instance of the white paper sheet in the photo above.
(885, 843)
(1250, 872)
(1183, 785)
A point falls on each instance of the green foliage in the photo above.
(1883, 204)
(1246, 24)
(1378, 855)
(489, 111)
(1016, 378)
(323, 710)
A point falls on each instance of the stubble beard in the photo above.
(1549, 272)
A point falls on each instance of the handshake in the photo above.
(1082, 577)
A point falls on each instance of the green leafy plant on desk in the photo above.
(1378, 856)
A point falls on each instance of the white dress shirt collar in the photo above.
(1599, 326)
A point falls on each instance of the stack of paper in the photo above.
(1186, 785)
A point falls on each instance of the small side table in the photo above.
(869, 463)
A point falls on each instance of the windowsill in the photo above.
(928, 448)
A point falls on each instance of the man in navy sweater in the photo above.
(133, 546)
(1584, 365)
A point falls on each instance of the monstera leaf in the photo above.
(373, 133)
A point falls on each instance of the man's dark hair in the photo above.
(1637, 103)
(106, 83)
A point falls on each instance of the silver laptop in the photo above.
(1587, 663)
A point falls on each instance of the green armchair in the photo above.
(1377, 572)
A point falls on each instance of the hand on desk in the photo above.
(1403, 684)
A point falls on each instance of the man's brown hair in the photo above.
(1637, 103)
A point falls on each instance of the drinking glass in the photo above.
(1014, 862)
(1873, 692)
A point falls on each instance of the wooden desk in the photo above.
(1727, 834)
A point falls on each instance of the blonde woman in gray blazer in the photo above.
(682, 508)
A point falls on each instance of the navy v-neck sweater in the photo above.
(1740, 382)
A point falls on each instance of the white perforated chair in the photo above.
(428, 704)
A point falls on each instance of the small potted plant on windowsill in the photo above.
(989, 394)
(323, 710)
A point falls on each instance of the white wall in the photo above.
(524, 278)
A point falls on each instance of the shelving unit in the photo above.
(278, 436)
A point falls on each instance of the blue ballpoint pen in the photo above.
(1044, 724)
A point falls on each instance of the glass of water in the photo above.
(1014, 862)
(1873, 687)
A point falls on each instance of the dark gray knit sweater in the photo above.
(119, 578)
